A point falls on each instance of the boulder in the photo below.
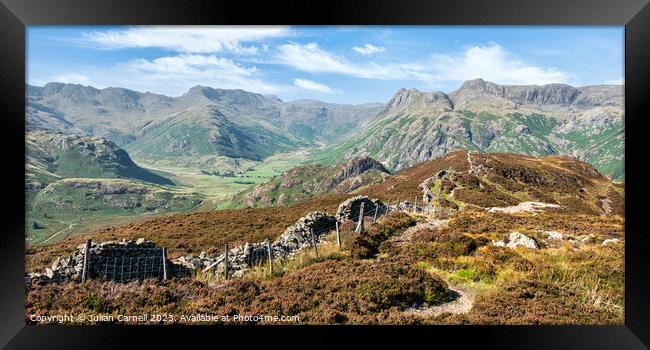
(611, 241)
(517, 239)
(554, 235)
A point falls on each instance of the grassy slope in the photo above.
(602, 148)
(556, 285)
(301, 183)
(209, 133)
(562, 283)
(185, 233)
(558, 180)
(62, 204)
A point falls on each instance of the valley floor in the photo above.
(215, 190)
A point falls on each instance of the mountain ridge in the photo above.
(121, 115)
(585, 123)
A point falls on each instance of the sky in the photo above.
(336, 64)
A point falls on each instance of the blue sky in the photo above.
(336, 64)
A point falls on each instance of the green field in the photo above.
(77, 212)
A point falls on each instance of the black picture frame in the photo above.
(15, 15)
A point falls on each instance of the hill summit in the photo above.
(304, 182)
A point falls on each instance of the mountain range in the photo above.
(586, 123)
(133, 152)
(204, 123)
(207, 128)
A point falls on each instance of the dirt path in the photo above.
(462, 303)
(57, 233)
(463, 299)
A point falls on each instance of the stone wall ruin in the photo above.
(349, 209)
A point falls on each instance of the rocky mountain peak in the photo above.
(413, 98)
(539, 95)
(361, 164)
(199, 90)
(479, 87)
(403, 97)
(550, 94)
(227, 97)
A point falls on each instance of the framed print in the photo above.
(415, 170)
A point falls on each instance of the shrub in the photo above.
(367, 244)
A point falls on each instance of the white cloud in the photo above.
(177, 73)
(494, 63)
(189, 65)
(490, 62)
(312, 85)
(174, 75)
(190, 39)
(368, 49)
(311, 58)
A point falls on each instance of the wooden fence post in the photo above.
(374, 217)
(313, 242)
(387, 208)
(225, 262)
(415, 206)
(338, 235)
(359, 228)
(84, 269)
(106, 269)
(164, 262)
(270, 258)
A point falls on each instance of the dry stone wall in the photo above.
(241, 258)
(127, 260)
(349, 209)
(120, 261)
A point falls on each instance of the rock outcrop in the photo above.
(516, 239)
(524, 207)
(304, 182)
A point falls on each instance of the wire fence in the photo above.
(124, 264)
(119, 267)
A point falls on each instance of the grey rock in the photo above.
(554, 235)
(610, 241)
(516, 239)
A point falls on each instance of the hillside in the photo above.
(52, 156)
(72, 180)
(230, 123)
(585, 123)
(406, 268)
(496, 180)
(207, 132)
(304, 182)
(70, 202)
(463, 178)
